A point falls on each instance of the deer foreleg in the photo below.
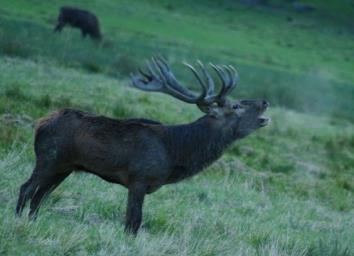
(136, 196)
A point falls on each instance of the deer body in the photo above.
(140, 154)
(107, 147)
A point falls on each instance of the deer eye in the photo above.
(236, 106)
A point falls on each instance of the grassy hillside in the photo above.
(303, 62)
(286, 190)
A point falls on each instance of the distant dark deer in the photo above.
(140, 154)
(82, 19)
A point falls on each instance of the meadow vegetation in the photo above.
(286, 190)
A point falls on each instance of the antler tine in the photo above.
(229, 79)
(142, 83)
(153, 80)
(215, 67)
(235, 74)
(162, 61)
(209, 81)
(196, 74)
(170, 82)
(220, 72)
(151, 72)
(233, 78)
(144, 74)
(155, 66)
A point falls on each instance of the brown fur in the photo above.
(42, 122)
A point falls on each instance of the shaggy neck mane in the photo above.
(194, 146)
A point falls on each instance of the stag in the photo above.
(140, 154)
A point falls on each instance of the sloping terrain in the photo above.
(285, 190)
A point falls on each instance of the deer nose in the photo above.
(265, 104)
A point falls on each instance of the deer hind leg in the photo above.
(26, 192)
(48, 185)
(45, 177)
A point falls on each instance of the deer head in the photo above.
(238, 118)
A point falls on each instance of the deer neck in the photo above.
(194, 146)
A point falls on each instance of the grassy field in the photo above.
(286, 190)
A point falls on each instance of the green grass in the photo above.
(304, 64)
(286, 190)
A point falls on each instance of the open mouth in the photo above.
(263, 121)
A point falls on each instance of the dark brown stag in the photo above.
(140, 154)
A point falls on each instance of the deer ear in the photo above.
(215, 111)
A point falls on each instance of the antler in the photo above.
(160, 78)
